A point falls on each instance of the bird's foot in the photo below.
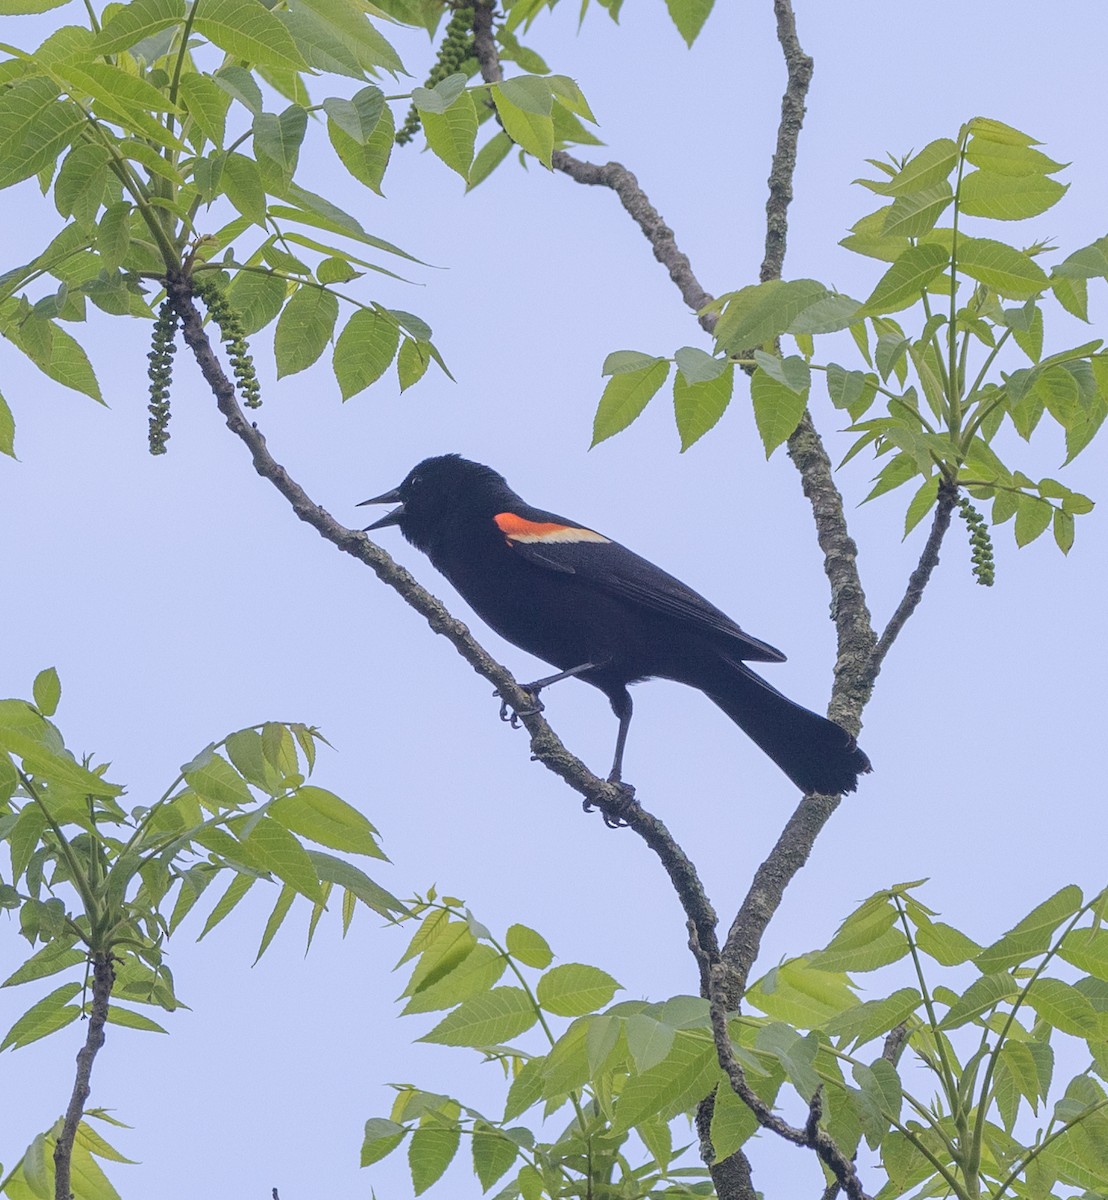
(512, 715)
(615, 816)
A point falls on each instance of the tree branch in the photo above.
(918, 580)
(615, 801)
(610, 175)
(103, 978)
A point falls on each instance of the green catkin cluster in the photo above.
(981, 542)
(457, 46)
(163, 346)
(226, 316)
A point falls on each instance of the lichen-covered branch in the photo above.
(103, 979)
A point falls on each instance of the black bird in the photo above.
(595, 610)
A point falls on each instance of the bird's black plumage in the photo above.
(589, 606)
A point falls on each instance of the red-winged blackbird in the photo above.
(595, 610)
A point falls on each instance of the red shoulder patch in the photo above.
(520, 529)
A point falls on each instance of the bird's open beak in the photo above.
(392, 518)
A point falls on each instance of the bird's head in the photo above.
(436, 490)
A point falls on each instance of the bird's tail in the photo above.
(815, 753)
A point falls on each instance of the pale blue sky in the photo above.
(179, 598)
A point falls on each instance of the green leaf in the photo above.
(277, 917)
(1031, 936)
(35, 127)
(57, 955)
(381, 1138)
(1087, 949)
(489, 157)
(242, 181)
(907, 279)
(1033, 516)
(304, 329)
(356, 882)
(1064, 1007)
(921, 504)
(132, 23)
(206, 103)
(123, 98)
(528, 947)
(688, 1073)
(1008, 197)
(477, 972)
(7, 429)
(47, 691)
(240, 884)
(852, 390)
(79, 186)
(359, 116)
(1072, 295)
(915, 213)
(874, 1018)
(278, 137)
(453, 133)
(624, 397)
(412, 362)
(980, 997)
(275, 849)
(323, 817)
(793, 371)
(51, 1013)
(931, 166)
(257, 297)
(997, 131)
(689, 16)
(777, 409)
(531, 130)
(439, 98)
(1006, 159)
(574, 989)
(569, 96)
(129, 1019)
(486, 1020)
(732, 1123)
(350, 21)
(622, 362)
(826, 315)
(695, 365)
(493, 1154)
(801, 996)
(430, 1152)
(1063, 530)
(216, 781)
(364, 350)
(246, 29)
(1002, 268)
(698, 406)
(761, 312)
(648, 1040)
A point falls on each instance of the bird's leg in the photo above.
(622, 707)
(535, 688)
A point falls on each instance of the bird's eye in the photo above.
(415, 481)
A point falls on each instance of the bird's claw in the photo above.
(512, 715)
(615, 818)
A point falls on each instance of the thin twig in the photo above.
(918, 580)
(611, 175)
(613, 800)
(103, 978)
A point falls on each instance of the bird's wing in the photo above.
(554, 544)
